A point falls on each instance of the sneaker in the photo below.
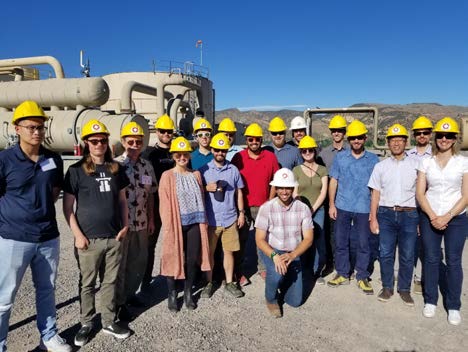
(55, 344)
(244, 281)
(352, 276)
(207, 291)
(320, 281)
(417, 287)
(274, 309)
(233, 290)
(406, 298)
(454, 317)
(429, 310)
(82, 336)
(116, 331)
(338, 280)
(385, 294)
(365, 286)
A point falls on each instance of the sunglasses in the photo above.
(277, 133)
(446, 135)
(359, 138)
(165, 131)
(310, 150)
(338, 131)
(97, 141)
(32, 129)
(254, 139)
(422, 133)
(219, 150)
(204, 134)
(179, 155)
(136, 142)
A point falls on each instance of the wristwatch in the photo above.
(272, 255)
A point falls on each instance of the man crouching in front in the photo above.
(284, 231)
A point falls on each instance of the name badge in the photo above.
(48, 164)
(146, 180)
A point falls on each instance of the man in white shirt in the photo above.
(393, 214)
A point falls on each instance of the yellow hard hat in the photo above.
(447, 124)
(337, 122)
(422, 122)
(356, 128)
(227, 125)
(253, 130)
(277, 125)
(397, 130)
(307, 142)
(164, 122)
(202, 124)
(93, 127)
(220, 141)
(132, 129)
(180, 144)
(26, 109)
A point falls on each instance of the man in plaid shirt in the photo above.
(284, 231)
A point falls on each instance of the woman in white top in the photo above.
(442, 193)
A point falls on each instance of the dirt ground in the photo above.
(331, 319)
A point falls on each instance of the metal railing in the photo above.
(186, 68)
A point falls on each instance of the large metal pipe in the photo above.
(133, 86)
(36, 60)
(175, 106)
(68, 92)
(64, 127)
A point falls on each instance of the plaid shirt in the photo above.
(284, 225)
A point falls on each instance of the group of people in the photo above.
(302, 207)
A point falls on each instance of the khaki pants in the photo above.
(102, 254)
(132, 266)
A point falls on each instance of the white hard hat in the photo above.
(283, 178)
(298, 123)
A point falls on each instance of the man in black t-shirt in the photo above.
(161, 161)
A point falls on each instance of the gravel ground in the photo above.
(332, 319)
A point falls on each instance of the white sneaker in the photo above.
(454, 317)
(55, 344)
(429, 310)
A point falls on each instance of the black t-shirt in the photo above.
(97, 199)
(160, 158)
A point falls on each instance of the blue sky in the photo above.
(297, 54)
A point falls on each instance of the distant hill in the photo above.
(388, 115)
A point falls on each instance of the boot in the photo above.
(188, 297)
(172, 295)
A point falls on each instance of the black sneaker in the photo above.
(116, 331)
(207, 291)
(232, 289)
(82, 336)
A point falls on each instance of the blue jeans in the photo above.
(397, 227)
(352, 224)
(290, 284)
(319, 245)
(43, 258)
(454, 240)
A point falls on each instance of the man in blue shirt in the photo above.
(202, 132)
(288, 155)
(349, 198)
(31, 178)
(223, 184)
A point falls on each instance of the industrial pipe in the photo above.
(36, 60)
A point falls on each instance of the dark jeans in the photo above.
(152, 241)
(397, 227)
(248, 250)
(454, 240)
(357, 225)
(289, 285)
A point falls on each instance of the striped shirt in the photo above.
(284, 225)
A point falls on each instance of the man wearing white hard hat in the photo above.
(298, 130)
(284, 231)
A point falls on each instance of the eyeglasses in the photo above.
(359, 138)
(219, 150)
(229, 134)
(254, 139)
(310, 150)
(446, 135)
(97, 141)
(422, 133)
(338, 131)
(165, 131)
(277, 133)
(137, 142)
(204, 134)
(31, 129)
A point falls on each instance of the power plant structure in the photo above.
(182, 91)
